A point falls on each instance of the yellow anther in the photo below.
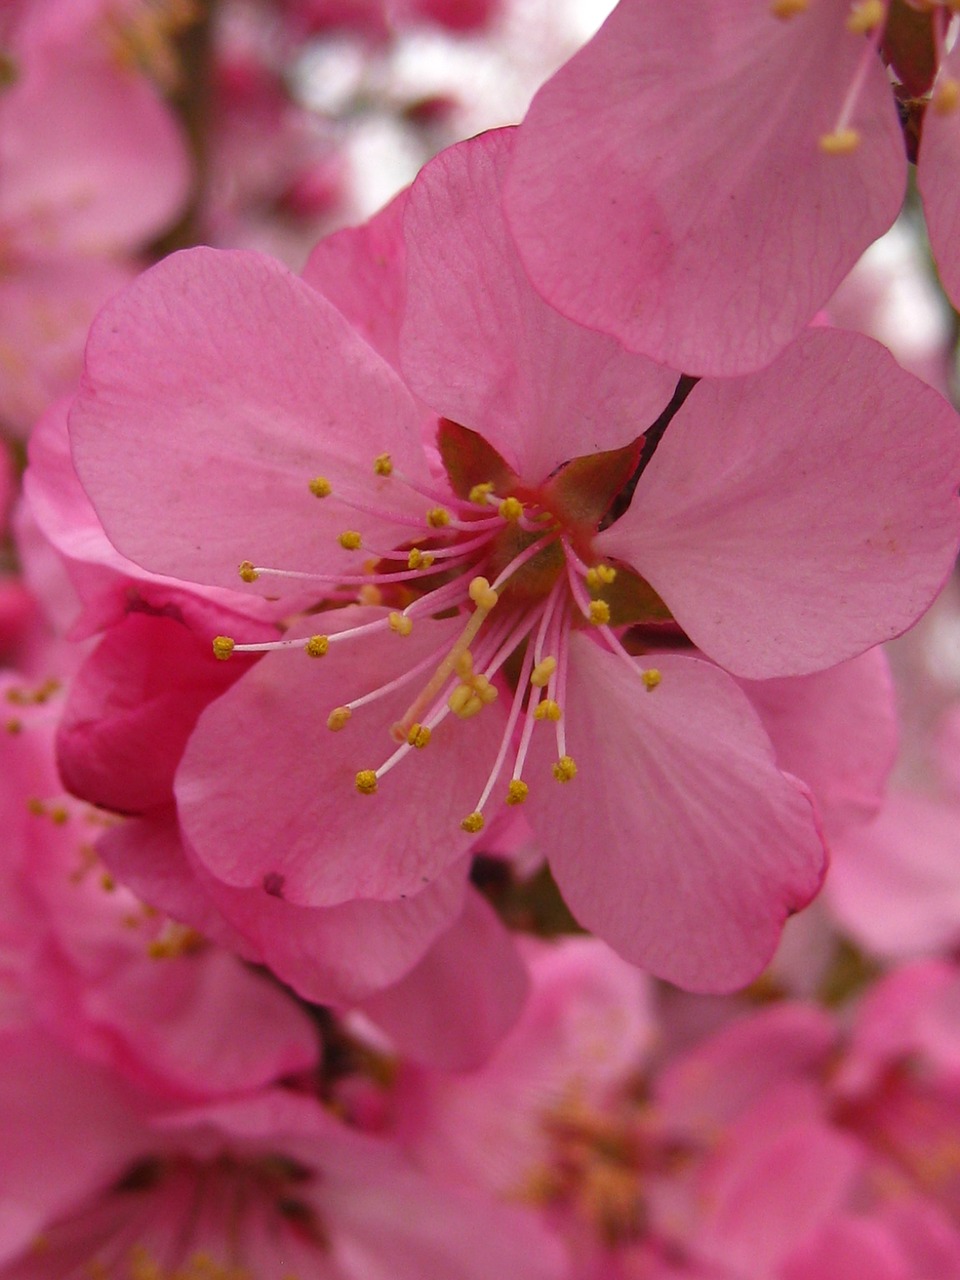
(788, 8)
(317, 646)
(482, 594)
(438, 517)
(480, 493)
(370, 594)
(946, 96)
(601, 575)
(651, 677)
(223, 647)
(565, 769)
(464, 702)
(400, 623)
(517, 791)
(59, 815)
(473, 822)
(511, 509)
(541, 673)
(338, 717)
(547, 710)
(599, 613)
(841, 142)
(321, 487)
(14, 726)
(484, 690)
(418, 559)
(418, 736)
(107, 882)
(865, 16)
(350, 540)
(367, 782)
(247, 572)
(383, 465)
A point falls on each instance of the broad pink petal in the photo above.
(937, 168)
(837, 730)
(795, 518)
(453, 1009)
(245, 384)
(679, 842)
(669, 187)
(267, 793)
(481, 347)
(855, 1248)
(361, 270)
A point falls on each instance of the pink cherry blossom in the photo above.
(276, 419)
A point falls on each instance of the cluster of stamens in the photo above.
(868, 18)
(540, 589)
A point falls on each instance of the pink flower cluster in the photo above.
(439, 682)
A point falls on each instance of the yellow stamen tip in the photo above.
(464, 703)
(247, 572)
(788, 8)
(511, 509)
(473, 823)
(540, 676)
(383, 465)
(517, 791)
(415, 558)
(317, 646)
(418, 736)
(599, 613)
(367, 782)
(370, 594)
(337, 718)
(438, 517)
(482, 594)
(484, 690)
(480, 492)
(547, 710)
(651, 678)
(223, 647)
(565, 769)
(350, 540)
(400, 624)
(946, 97)
(840, 143)
(321, 487)
(865, 16)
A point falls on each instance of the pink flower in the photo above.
(699, 182)
(268, 431)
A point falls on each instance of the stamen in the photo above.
(223, 646)
(383, 465)
(843, 138)
(400, 624)
(601, 575)
(350, 540)
(366, 782)
(320, 487)
(788, 8)
(473, 823)
(418, 736)
(480, 493)
(598, 612)
(946, 96)
(338, 717)
(565, 770)
(247, 572)
(540, 676)
(511, 509)
(651, 678)
(517, 791)
(864, 16)
(547, 710)
(317, 646)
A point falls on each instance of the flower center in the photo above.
(515, 564)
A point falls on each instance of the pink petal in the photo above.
(895, 884)
(267, 793)
(837, 730)
(453, 1009)
(669, 187)
(92, 159)
(679, 842)
(46, 306)
(936, 178)
(483, 349)
(795, 518)
(245, 384)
